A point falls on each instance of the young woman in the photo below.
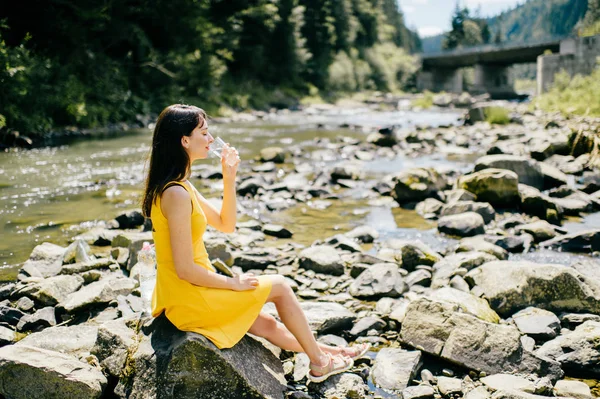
(188, 289)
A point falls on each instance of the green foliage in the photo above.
(591, 21)
(392, 67)
(425, 101)
(466, 31)
(497, 115)
(573, 95)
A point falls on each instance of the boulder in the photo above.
(98, 293)
(463, 225)
(45, 260)
(510, 286)
(322, 259)
(414, 185)
(130, 220)
(272, 154)
(534, 203)
(366, 324)
(445, 269)
(382, 140)
(169, 363)
(77, 340)
(39, 320)
(573, 389)
(496, 186)
(553, 177)
(412, 253)
(581, 241)
(481, 244)
(527, 169)
(364, 234)
(90, 264)
(429, 208)
(52, 290)
(113, 342)
(78, 251)
(467, 302)
(499, 382)
(380, 280)
(539, 230)
(345, 385)
(538, 323)
(276, 231)
(441, 329)
(486, 211)
(28, 372)
(323, 317)
(395, 368)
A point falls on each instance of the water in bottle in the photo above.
(147, 274)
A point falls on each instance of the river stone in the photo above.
(39, 320)
(28, 372)
(459, 194)
(553, 177)
(486, 211)
(52, 290)
(364, 234)
(45, 260)
(91, 264)
(539, 230)
(445, 269)
(469, 303)
(395, 368)
(134, 241)
(534, 203)
(527, 169)
(464, 225)
(366, 324)
(322, 259)
(276, 231)
(581, 241)
(441, 329)
(347, 171)
(418, 392)
(345, 385)
(418, 277)
(416, 184)
(496, 186)
(573, 389)
(323, 317)
(481, 244)
(576, 351)
(113, 342)
(77, 251)
(514, 394)
(169, 363)
(130, 220)
(479, 392)
(537, 323)
(75, 340)
(412, 253)
(498, 382)
(429, 208)
(513, 285)
(9, 315)
(380, 280)
(217, 248)
(449, 386)
(98, 293)
(272, 154)
(343, 242)
(382, 140)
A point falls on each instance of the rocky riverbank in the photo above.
(471, 319)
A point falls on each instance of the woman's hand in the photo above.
(244, 282)
(229, 153)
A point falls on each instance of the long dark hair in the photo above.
(168, 160)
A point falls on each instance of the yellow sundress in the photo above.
(221, 315)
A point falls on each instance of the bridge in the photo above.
(442, 71)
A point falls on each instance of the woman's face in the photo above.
(197, 143)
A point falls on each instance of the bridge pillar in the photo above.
(495, 80)
(441, 79)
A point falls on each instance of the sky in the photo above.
(430, 17)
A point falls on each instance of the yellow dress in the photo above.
(221, 315)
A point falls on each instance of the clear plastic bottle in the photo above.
(147, 274)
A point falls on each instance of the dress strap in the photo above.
(185, 186)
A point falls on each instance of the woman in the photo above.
(188, 289)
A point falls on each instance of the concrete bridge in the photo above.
(442, 71)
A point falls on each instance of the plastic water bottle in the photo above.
(147, 274)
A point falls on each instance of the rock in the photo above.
(540, 230)
(7, 336)
(445, 269)
(121, 255)
(395, 368)
(449, 386)
(572, 389)
(97, 293)
(417, 184)
(577, 351)
(115, 340)
(28, 372)
(553, 177)
(412, 253)
(463, 225)
(45, 260)
(364, 234)
(380, 280)
(528, 170)
(537, 323)
(478, 393)
(77, 340)
(98, 236)
(486, 211)
(78, 251)
(364, 325)
(534, 203)
(499, 382)
(321, 259)
(253, 261)
(418, 277)
(442, 330)
(581, 241)
(323, 317)
(572, 320)
(276, 231)
(10, 315)
(496, 186)
(347, 171)
(250, 186)
(418, 392)
(343, 242)
(217, 248)
(458, 195)
(469, 303)
(429, 207)
(130, 220)
(39, 320)
(513, 285)
(481, 244)
(345, 385)
(133, 241)
(272, 154)
(52, 290)
(174, 364)
(382, 140)
(91, 264)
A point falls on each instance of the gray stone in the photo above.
(98, 293)
(513, 285)
(75, 340)
(534, 203)
(92, 264)
(412, 253)
(348, 171)
(343, 242)
(417, 184)
(429, 207)
(10, 315)
(78, 251)
(39, 320)
(581, 241)
(7, 336)
(528, 170)
(540, 230)
(553, 177)
(52, 290)
(459, 194)
(538, 323)
(463, 225)
(577, 351)
(468, 303)
(486, 211)
(479, 392)
(481, 244)
(276, 231)
(301, 366)
(322, 259)
(496, 186)
(498, 382)
(364, 234)
(418, 392)
(28, 372)
(395, 368)
(323, 317)
(446, 268)
(272, 154)
(574, 389)
(418, 277)
(345, 385)
(45, 260)
(381, 280)
(366, 324)
(449, 385)
(25, 304)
